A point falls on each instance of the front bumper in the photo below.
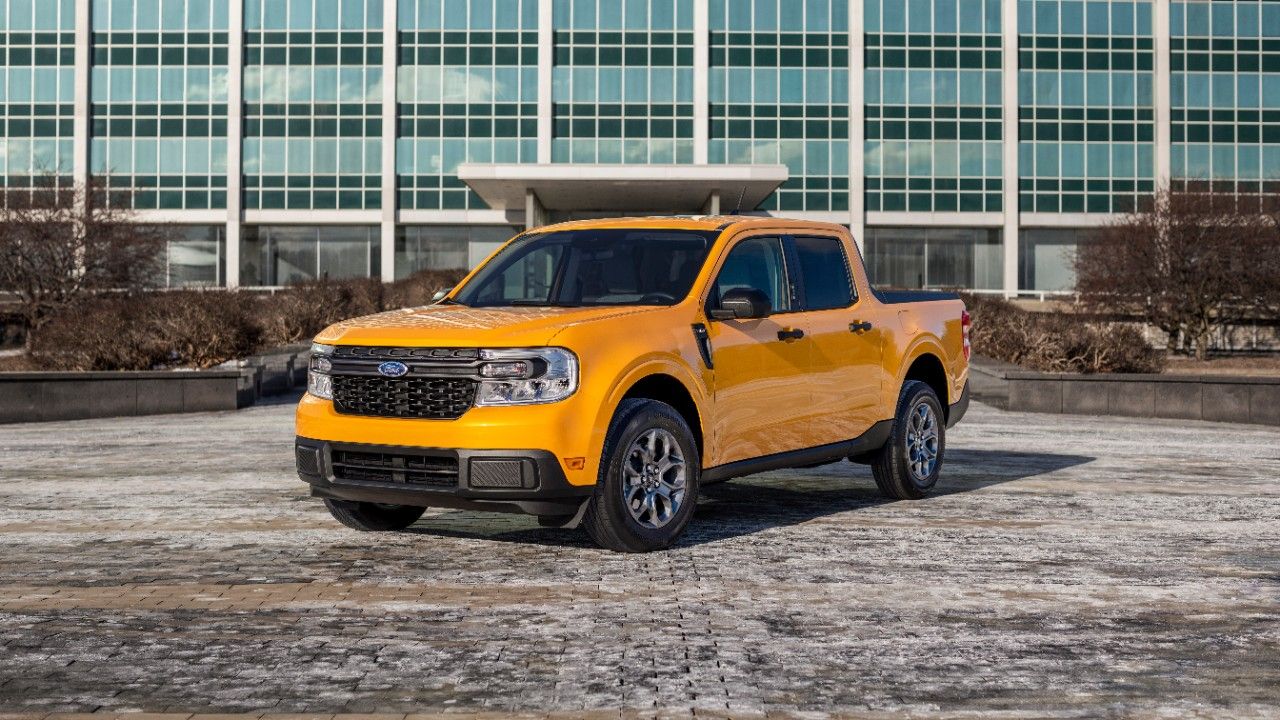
(566, 429)
(525, 481)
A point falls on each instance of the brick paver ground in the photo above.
(1070, 566)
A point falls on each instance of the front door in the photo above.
(761, 369)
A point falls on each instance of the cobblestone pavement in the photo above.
(1070, 566)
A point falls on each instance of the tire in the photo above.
(639, 506)
(901, 468)
(372, 517)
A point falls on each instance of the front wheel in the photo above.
(373, 517)
(648, 481)
(907, 467)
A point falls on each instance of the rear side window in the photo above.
(824, 272)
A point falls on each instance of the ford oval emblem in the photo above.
(393, 368)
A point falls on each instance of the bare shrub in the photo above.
(200, 329)
(57, 246)
(303, 310)
(101, 333)
(203, 329)
(298, 313)
(144, 332)
(419, 288)
(1191, 263)
(1057, 342)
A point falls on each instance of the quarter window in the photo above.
(824, 271)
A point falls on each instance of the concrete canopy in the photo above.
(627, 188)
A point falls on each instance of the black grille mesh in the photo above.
(395, 468)
(308, 460)
(395, 353)
(431, 398)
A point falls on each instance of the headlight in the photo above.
(318, 381)
(526, 376)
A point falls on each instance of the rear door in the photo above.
(761, 393)
(846, 340)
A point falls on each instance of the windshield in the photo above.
(576, 268)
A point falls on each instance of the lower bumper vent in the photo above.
(408, 469)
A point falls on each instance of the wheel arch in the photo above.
(667, 388)
(926, 366)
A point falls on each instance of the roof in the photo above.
(593, 187)
(693, 222)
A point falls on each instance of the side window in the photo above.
(756, 263)
(824, 273)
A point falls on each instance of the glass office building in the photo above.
(967, 143)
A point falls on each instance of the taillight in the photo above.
(966, 322)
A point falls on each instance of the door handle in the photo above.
(859, 327)
(790, 334)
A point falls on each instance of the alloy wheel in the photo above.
(922, 441)
(654, 474)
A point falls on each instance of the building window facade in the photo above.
(779, 93)
(1046, 258)
(933, 95)
(37, 95)
(159, 103)
(1225, 104)
(313, 104)
(937, 258)
(467, 91)
(195, 256)
(446, 247)
(1087, 107)
(275, 255)
(622, 82)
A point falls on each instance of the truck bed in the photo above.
(898, 297)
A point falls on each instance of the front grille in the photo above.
(361, 352)
(432, 398)
(409, 469)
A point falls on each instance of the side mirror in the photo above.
(440, 294)
(743, 304)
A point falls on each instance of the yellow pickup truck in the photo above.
(599, 373)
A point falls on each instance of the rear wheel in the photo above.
(648, 481)
(373, 517)
(907, 467)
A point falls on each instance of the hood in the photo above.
(458, 326)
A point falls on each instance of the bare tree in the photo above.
(59, 246)
(1193, 261)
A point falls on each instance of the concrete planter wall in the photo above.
(44, 396)
(41, 396)
(275, 373)
(1182, 397)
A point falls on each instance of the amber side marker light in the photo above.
(575, 463)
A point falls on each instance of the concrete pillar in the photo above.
(546, 56)
(1163, 99)
(701, 80)
(80, 124)
(534, 214)
(387, 234)
(235, 144)
(857, 128)
(1009, 25)
(712, 206)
